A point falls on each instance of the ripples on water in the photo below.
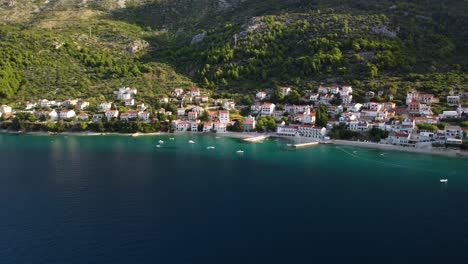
(122, 200)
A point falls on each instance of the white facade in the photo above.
(207, 127)
(194, 126)
(144, 115)
(312, 132)
(5, 109)
(219, 127)
(195, 92)
(267, 109)
(111, 114)
(224, 117)
(181, 126)
(287, 131)
(105, 106)
(82, 105)
(297, 108)
(130, 102)
(453, 99)
(261, 95)
(285, 90)
(64, 114)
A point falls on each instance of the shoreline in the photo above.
(239, 135)
(430, 151)
(242, 135)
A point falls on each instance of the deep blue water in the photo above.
(122, 200)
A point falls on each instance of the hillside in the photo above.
(79, 48)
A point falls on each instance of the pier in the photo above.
(305, 145)
(255, 139)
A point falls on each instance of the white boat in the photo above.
(161, 142)
(158, 146)
(240, 152)
(443, 180)
(191, 142)
(211, 147)
(171, 138)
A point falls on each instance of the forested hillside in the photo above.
(72, 48)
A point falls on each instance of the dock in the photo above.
(305, 145)
(255, 139)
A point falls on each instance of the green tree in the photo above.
(321, 116)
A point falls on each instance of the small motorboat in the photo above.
(161, 142)
(210, 147)
(172, 139)
(158, 146)
(443, 180)
(240, 152)
(191, 142)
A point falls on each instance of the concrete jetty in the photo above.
(255, 139)
(305, 145)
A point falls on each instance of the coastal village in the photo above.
(323, 114)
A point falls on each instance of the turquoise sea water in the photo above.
(122, 200)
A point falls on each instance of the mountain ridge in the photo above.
(391, 45)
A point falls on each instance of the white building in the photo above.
(192, 115)
(194, 126)
(261, 95)
(314, 97)
(411, 97)
(30, 106)
(65, 114)
(290, 131)
(130, 102)
(112, 114)
(178, 92)
(224, 117)
(297, 108)
(144, 115)
(249, 123)
(285, 91)
(346, 90)
(256, 108)
(198, 109)
(462, 109)
(312, 131)
(82, 105)
(219, 127)
(453, 132)
(449, 114)
(322, 90)
(308, 118)
(195, 92)
(401, 139)
(347, 99)
(334, 89)
(453, 99)
(181, 126)
(267, 109)
(229, 105)
(358, 126)
(207, 127)
(180, 111)
(105, 106)
(5, 109)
